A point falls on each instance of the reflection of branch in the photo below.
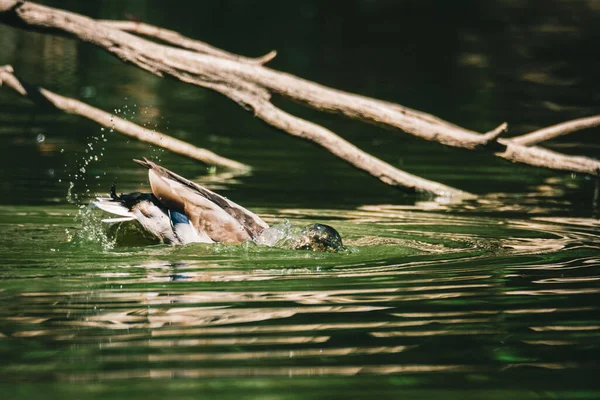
(179, 40)
(554, 131)
(72, 106)
(216, 181)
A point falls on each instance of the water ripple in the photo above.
(422, 295)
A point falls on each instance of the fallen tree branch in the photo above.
(420, 124)
(251, 85)
(539, 157)
(180, 64)
(111, 121)
(177, 39)
(298, 127)
(161, 59)
(554, 131)
(264, 109)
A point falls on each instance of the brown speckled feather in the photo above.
(223, 220)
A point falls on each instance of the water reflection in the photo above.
(289, 372)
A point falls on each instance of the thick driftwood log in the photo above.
(111, 121)
(251, 85)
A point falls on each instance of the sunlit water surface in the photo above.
(417, 300)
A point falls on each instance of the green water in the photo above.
(493, 298)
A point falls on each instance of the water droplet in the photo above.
(40, 138)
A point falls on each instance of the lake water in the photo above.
(493, 298)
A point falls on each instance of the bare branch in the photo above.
(554, 131)
(539, 157)
(251, 85)
(206, 70)
(111, 121)
(177, 39)
(298, 127)
(493, 135)
(161, 59)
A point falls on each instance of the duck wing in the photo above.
(221, 219)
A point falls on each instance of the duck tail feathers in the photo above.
(144, 163)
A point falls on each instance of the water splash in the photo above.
(280, 235)
(83, 182)
(80, 189)
(92, 230)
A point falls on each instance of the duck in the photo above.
(178, 211)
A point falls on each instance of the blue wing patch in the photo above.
(178, 218)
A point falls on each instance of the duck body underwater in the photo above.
(179, 211)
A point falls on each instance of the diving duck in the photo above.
(179, 211)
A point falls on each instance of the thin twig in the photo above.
(554, 131)
(177, 39)
(493, 135)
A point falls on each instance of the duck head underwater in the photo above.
(179, 211)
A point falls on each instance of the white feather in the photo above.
(187, 233)
(113, 220)
(113, 207)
